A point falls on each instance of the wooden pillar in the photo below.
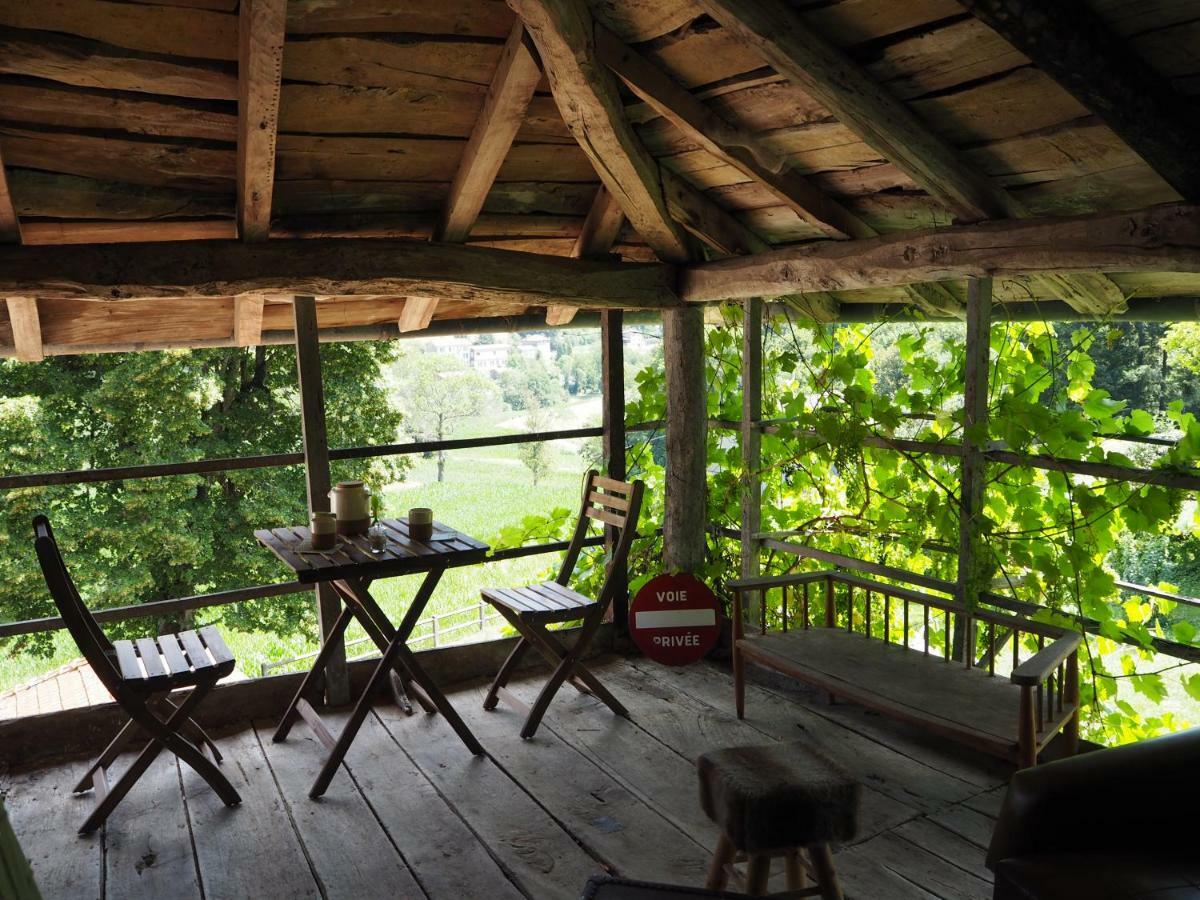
(612, 376)
(316, 470)
(752, 321)
(686, 509)
(972, 469)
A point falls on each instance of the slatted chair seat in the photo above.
(530, 609)
(546, 602)
(172, 661)
(140, 675)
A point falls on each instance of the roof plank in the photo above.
(1073, 45)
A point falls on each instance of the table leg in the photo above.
(314, 674)
(405, 656)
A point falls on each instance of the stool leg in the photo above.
(822, 861)
(758, 870)
(794, 865)
(718, 872)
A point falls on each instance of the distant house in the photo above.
(489, 358)
(536, 346)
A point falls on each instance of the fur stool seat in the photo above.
(776, 800)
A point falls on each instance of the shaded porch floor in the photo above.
(415, 815)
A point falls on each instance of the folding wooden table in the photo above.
(350, 567)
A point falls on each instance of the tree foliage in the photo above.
(153, 539)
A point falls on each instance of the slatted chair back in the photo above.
(91, 640)
(616, 504)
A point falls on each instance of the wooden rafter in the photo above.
(600, 230)
(504, 109)
(26, 328)
(1071, 44)
(1160, 239)
(248, 319)
(260, 69)
(417, 313)
(508, 97)
(331, 267)
(728, 143)
(589, 100)
(888, 125)
(10, 223)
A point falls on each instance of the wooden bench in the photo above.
(874, 649)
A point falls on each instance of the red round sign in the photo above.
(674, 619)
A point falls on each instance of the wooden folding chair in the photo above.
(139, 675)
(530, 609)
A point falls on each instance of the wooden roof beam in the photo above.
(1074, 46)
(260, 69)
(417, 313)
(10, 223)
(26, 328)
(335, 266)
(600, 231)
(887, 125)
(1159, 239)
(248, 319)
(727, 142)
(590, 103)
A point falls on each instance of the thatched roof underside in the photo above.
(119, 122)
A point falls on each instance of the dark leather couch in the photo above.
(1115, 824)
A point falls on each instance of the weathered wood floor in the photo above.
(416, 816)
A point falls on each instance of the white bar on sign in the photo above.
(676, 618)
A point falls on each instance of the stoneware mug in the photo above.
(420, 523)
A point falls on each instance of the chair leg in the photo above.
(505, 673)
(757, 872)
(822, 860)
(794, 866)
(718, 869)
(582, 672)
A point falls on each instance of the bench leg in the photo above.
(794, 866)
(739, 681)
(757, 872)
(718, 869)
(822, 860)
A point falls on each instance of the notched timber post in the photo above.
(685, 507)
(972, 561)
(752, 347)
(317, 478)
(612, 377)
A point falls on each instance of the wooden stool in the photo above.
(777, 800)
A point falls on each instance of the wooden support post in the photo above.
(974, 442)
(26, 327)
(752, 321)
(685, 508)
(316, 471)
(612, 377)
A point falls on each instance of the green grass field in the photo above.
(484, 489)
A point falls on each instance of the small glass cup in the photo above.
(377, 538)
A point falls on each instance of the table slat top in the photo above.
(351, 557)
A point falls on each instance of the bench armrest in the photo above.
(1042, 664)
(766, 582)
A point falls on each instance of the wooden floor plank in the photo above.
(249, 850)
(968, 823)
(348, 850)
(542, 857)
(147, 843)
(988, 802)
(685, 721)
(443, 854)
(659, 775)
(921, 867)
(45, 817)
(953, 759)
(598, 809)
(951, 847)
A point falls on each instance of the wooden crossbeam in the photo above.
(331, 267)
(10, 224)
(260, 68)
(26, 328)
(727, 142)
(600, 231)
(590, 103)
(417, 313)
(1159, 239)
(887, 125)
(248, 319)
(1075, 47)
